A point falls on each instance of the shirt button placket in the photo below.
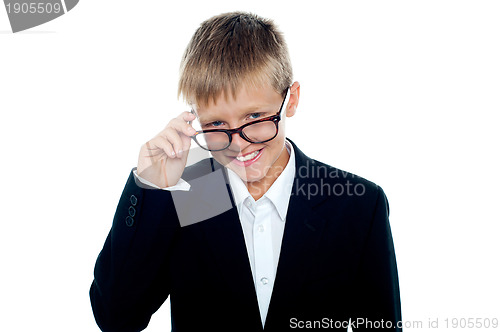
(263, 253)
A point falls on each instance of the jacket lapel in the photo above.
(301, 237)
(226, 242)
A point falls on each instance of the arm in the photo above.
(131, 272)
(377, 297)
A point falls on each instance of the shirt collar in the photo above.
(279, 192)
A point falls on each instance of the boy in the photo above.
(258, 238)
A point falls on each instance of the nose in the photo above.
(238, 143)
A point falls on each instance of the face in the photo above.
(256, 164)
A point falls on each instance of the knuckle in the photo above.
(172, 122)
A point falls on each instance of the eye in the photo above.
(254, 116)
(213, 124)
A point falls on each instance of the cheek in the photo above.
(281, 135)
(278, 142)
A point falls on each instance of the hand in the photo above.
(162, 159)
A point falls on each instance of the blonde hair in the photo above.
(230, 50)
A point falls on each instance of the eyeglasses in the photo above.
(259, 131)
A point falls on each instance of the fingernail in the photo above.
(173, 154)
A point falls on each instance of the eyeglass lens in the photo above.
(255, 133)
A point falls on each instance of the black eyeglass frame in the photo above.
(230, 132)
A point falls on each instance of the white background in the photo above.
(404, 93)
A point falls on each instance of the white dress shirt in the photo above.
(263, 224)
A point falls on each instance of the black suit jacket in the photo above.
(337, 258)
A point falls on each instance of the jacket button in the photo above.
(133, 200)
(129, 221)
(131, 211)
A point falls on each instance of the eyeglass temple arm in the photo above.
(192, 112)
(285, 102)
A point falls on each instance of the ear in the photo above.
(293, 102)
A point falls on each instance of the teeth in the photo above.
(248, 156)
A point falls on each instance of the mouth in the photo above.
(247, 159)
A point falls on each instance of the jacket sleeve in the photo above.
(131, 273)
(377, 299)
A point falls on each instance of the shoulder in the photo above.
(348, 188)
(339, 178)
(330, 180)
(319, 182)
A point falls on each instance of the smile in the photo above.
(248, 156)
(247, 159)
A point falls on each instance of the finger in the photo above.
(159, 152)
(186, 142)
(174, 139)
(187, 116)
(159, 147)
(156, 155)
(186, 127)
(151, 150)
(182, 127)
